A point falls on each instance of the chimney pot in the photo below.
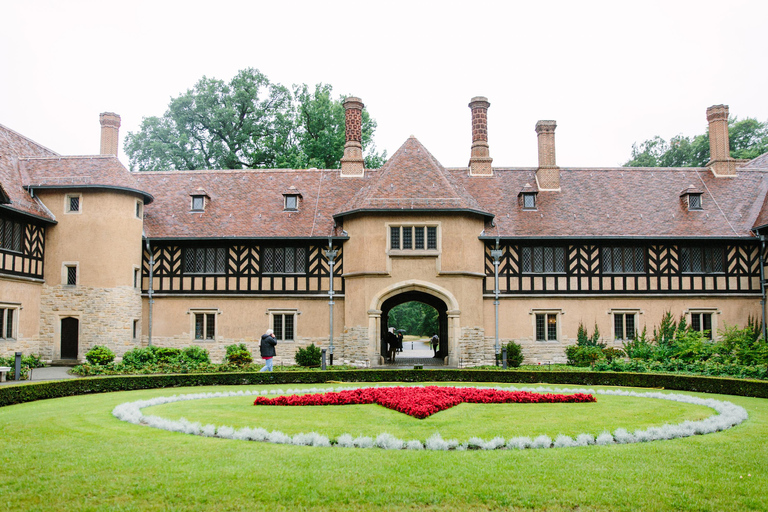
(480, 161)
(548, 173)
(110, 130)
(352, 163)
(720, 160)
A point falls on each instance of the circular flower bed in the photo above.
(729, 415)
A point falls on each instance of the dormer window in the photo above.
(200, 199)
(527, 197)
(691, 198)
(198, 203)
(292, 202)
(291, 199)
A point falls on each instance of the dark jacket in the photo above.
(267, 346)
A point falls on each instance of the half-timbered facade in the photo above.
(93, 254)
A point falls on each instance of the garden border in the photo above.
(17, 394)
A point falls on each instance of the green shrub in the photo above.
(166, 354)
(612, 353)
(100, 355)
(139, 357)
(583, 356)
(514, 354)
(238, 355)
(309, 356)
(196, 355)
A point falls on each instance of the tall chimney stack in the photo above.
(719, 146)
(352, 163)
(480, 161)
(110, 128)
(548, 173)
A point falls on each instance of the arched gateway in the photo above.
(435, 296)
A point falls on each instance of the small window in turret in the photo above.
(73, 203)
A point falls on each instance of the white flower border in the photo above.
(728, 416)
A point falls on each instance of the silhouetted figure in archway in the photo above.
(435, 343)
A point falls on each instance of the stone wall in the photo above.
(106, 317)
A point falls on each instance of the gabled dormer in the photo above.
(199, 199)
(291, 199)
(691, 198)
(527, 197)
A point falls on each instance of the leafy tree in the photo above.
(415, 317)
(748, 139)
(249, 122)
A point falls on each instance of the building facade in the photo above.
(92, 254)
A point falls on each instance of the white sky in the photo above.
(609, 72)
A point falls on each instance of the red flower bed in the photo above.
(421, 402)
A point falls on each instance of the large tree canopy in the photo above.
(748, 139)
(247, 123)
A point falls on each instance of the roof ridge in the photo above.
(27, 139)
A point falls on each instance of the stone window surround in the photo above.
(137, 277)
(65, 266)
(558, 312)
(136, 326)
(413, 252)
(624, 311)
(139, 209)
(204, 311)
(15, 308)
(271, 312)
(68, 204)
(712, 311)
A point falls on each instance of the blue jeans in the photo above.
(267, 365)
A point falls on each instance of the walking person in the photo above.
(435, 343)
(391, 344)
(267, 349)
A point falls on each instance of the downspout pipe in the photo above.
(762, 282)
(330, 254)
(496, 254)
(150, 291)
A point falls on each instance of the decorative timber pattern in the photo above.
(241, 268)
(653, 267)
(22, 248)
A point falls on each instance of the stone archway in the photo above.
(435, 296)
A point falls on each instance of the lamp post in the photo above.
(496, 255)
(330, 254)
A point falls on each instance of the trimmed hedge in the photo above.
(16, 394)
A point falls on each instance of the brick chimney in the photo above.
(548, 173)
(110, 128)
(352, 162)
(720, 160)
(480, 161)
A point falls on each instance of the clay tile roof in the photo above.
(12, 147)
(246, 203)
(412, 179)
(690, 189)
(622, 203)
(760, 162)
(99, 171)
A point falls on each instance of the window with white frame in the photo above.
(284, 260)
(69, 274)
(546, 325)
(8, 320)
(204, 324)
(703, 322)
(539, 260)
(624, 324)
(73, 203)
(284, 324)
(413, 238)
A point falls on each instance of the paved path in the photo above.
(43, 374)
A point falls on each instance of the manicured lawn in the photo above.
(72, 454)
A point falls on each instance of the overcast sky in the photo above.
(610, 73)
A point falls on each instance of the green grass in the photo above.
(71, 454)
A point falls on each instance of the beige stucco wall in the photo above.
(517, 318)
(373, 274)
(104, 239)
(243, 320)
(23, 294)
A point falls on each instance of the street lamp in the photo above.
(330, 254)
(496, 255)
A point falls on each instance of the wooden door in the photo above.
(70, 328)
